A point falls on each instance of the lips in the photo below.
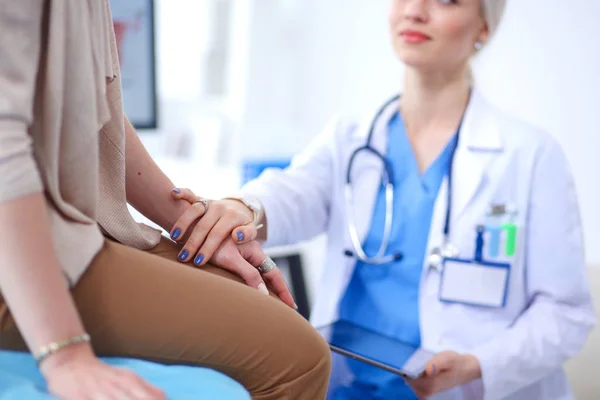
(412, 36)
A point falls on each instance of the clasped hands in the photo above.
(224, 235)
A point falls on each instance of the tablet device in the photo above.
(375, 349)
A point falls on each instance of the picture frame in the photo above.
(135, 27)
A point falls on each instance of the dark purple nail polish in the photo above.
(176, 191)
(183, 255)
(199, 259)
(176, 233)
(240, 236)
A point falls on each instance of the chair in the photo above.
(20, 379)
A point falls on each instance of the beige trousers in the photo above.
(147, 305)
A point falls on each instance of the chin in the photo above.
(417, 60)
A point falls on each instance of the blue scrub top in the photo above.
(385, 298)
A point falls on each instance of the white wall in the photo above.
(307, 60)
(544, 67)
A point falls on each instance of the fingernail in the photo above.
(295, 306)
(263, 289)
(183, 255)
(240, 236)
(433, 369)
(176, 233)
(176, 191)
(199, 259)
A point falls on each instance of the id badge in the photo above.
(483, 284)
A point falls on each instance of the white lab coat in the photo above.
(500, 160)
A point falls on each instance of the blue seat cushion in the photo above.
(20, 379)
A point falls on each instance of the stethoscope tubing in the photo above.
(388, 182)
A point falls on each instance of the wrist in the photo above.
(177, 210)
(472, 368)
(242, 207)
(68, 355)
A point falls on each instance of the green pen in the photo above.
(511, 238)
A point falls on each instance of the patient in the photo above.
(78, 276)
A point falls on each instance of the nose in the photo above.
(415, 10)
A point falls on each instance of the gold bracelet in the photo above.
(50, 349)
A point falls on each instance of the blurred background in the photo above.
(229, 85)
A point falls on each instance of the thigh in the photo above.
(168, 250)
(137, 304)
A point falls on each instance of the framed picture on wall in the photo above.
(133, 21)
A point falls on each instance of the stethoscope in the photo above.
(439, 253)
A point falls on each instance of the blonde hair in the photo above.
(492, 10)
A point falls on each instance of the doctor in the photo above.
(451, 225)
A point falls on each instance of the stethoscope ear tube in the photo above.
(352, 224)
(359, 253)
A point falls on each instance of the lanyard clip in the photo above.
(496, 210)
(501, 210)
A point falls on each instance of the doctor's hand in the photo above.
(206, 224)
(445, 371)
(242, 259)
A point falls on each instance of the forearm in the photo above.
(148, 188)
(31, 280)
(294, 206)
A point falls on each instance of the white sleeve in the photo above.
(555, 326)
(297, 200)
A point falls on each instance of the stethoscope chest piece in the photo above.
(438, 254)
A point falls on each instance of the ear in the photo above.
(484, 35)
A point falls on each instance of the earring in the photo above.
(478, 45)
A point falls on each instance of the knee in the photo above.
(317, 355)
(325, 353)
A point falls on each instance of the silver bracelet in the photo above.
(50, 349)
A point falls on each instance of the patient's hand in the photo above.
(201, 232)
(206, 236)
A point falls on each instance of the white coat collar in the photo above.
(380, 127)
(479, 139)
(479, 129)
